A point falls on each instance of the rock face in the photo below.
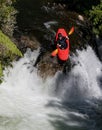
(8, 51)
(41, 35)
(26, 41)
(99, 47)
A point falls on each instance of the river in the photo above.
(62, 102)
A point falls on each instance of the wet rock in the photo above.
(48, 66)
(99, 47)
(59, 13)
(27, 41)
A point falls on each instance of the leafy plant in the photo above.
(7, 16)
(96, 18)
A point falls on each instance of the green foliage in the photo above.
(96, 18)
(79, 6)
(1, 72)
(9, 45)
(7, 16)
(8, 51)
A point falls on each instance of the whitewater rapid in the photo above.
(22, 97)
(27, 102)
(84, 79)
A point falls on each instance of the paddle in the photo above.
(54, 53)
(71, 31)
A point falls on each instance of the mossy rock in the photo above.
(8, 51)
(9, 45)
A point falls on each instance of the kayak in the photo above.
(63, 54)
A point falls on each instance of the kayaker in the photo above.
(61, 41)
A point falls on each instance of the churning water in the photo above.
(62, 102)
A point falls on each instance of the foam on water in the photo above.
(22, 98)
(83, 80)
(29, 103)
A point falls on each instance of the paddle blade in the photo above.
(71, 31)
(54, 53)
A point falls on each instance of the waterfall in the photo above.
(82, 81)
(29, 103)
(22, 98)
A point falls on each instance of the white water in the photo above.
(22, 98)
(82, 81)
(29, 103)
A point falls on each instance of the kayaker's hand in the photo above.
(67, 37)
(58, 45)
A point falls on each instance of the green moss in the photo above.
(1, 72)
(8, 52)
(10, 46)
